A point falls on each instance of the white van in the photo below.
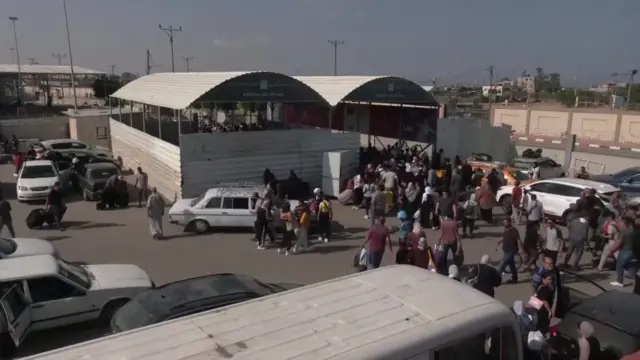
(392, 313)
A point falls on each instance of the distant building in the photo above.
(497, 90)
(526, 83)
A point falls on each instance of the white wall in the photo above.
(44, 128)
(208, 159)
(460, 136)
(158, 158)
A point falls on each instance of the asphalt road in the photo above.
(122, 236)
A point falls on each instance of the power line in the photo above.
(59, 57)
(187, 59)
(170, 33)
(335, 44)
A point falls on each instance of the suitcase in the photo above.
(47, 216)
(35, 218)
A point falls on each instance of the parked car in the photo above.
(93, 177)
(612, 313)
(19, 247)
(556, 195)
(221, 207)
(549, 169)
(36, 178)
(188, 297)
(628, 180)
(70, 146)
(43, 292)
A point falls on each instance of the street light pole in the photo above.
(59, 57)
(335, 44)
(632, 75)
(15, 38)
(73, 74)
(170, 33)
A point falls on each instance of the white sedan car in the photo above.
(20, 247)
(43, 292)
(557, 195)
(37, 177)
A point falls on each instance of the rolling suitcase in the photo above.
(35, 218)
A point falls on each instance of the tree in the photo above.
(552, 83)
(103, 87)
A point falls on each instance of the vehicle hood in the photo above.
(38, 182)
(286, 286)
(30, 246)
(118, 276)
(101, 149)
(605, 178)
(182, 206)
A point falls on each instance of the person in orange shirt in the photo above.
(302, 230)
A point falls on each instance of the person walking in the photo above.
(516, 203)
(325, 216)
(303, 230)
(511, 244)
(625, 248)
(5, 217)
(484, 277)
(535, 212)
(611, 235)
(469, 215)
(553, 243)
(289, 229)
(55, 205)
(578, 229)
(155, 212)
(486, 201)
(449, 240)
(368, 189)
(141, 185)
(377, 240)
(378, 204)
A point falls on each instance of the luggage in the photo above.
(35, 218)
(345, 197)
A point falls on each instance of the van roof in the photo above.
(27, 267)
(397, 312)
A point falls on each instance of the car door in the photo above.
(55, 302)
(562, 197)
(631, 185)
(235, 211)
(242, 206)
(211, 211)
(541, 190)
(17, 314)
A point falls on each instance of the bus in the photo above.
(397, 312)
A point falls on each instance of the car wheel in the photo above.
(505, 202)
(110, 309)
(200, 226)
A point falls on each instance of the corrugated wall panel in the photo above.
(208, 159)
(159, 159)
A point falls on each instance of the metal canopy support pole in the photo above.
(110, 108)
(368, 125)
(400, 125)
(331, 117)
(144, 118)
(120, 111)
(159, 124)
(131, 113)
(178, 115)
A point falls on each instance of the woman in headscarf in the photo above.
(487, 201)
(411, 199)
(427, 207)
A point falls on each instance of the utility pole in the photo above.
(632, 75)
(113, 70)
(15, 38)
(33, 61)
(73, 74)
(490, 69)
(187, 59)
(13, 55)
(335, 44)
(59, 57)
(150, 64)
(170, 33)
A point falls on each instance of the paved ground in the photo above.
(121, 236)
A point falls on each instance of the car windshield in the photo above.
(38, 171)
(132, 315)
(520, 175)
(102, 174)
(522, 165)
(623, 174)
(75, 273)
(197, 200)
(7, 246)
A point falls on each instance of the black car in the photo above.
(93, 177)
(188, 297)
(628, 180)
(613, 314)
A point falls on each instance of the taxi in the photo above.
(511, 174)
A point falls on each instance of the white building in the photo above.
(526, 83)
(496, 90)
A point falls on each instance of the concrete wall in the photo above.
(44, 128)
(93, 130)
(617, 128)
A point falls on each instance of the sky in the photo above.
(453, 41)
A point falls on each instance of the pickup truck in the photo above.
(92, 178)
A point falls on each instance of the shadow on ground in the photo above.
(329, 249)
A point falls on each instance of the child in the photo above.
(289, 229)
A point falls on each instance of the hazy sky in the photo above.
(453, 40)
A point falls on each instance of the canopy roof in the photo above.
(180, 90)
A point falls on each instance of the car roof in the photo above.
(613, 308)
(160, 301)
(100, 165)
(234, 191)
(57, 141)
(583, 183)
(27, 267)
(38, 162)
(528, 159)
